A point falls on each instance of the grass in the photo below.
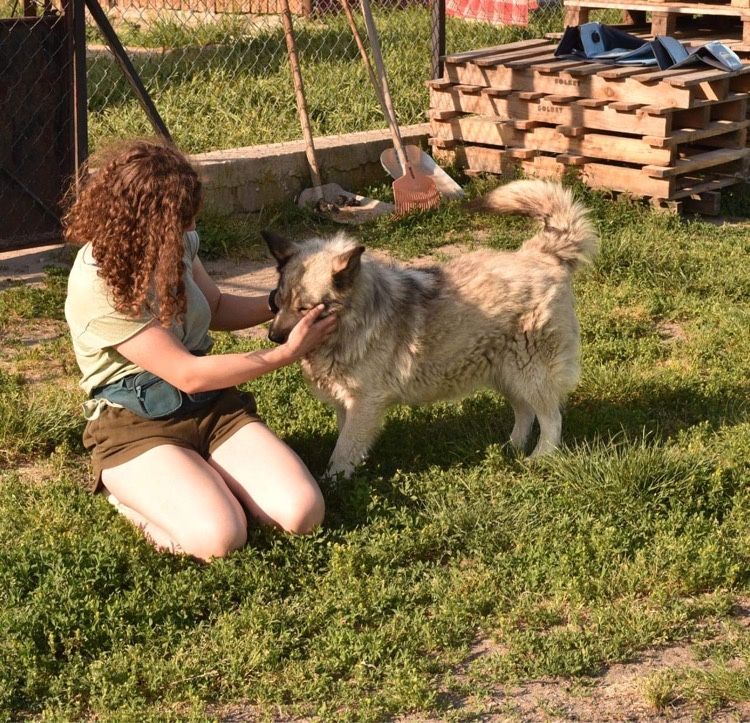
(234, 76)
(634, 536)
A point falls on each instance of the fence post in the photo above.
(75, 26)
(438, 37)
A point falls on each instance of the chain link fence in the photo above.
(218, 72)
(221, 79)
(35, 112)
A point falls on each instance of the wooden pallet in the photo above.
(708, 172)
(527, 108)
(538, 70)
(652, 152)
(667, 135)
(665, 16)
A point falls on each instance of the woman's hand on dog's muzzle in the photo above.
(310, 332)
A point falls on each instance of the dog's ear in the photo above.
(282, 248)
(346, 267)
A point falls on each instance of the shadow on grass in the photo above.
(445, 436)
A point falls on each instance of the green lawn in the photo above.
(635, 535)
(227, 84)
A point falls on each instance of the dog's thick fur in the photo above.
(503, 320)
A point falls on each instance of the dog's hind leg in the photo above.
(550, 428)
(362, 422)
(524, 420)
(531, 398)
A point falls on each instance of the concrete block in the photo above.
(245, 180)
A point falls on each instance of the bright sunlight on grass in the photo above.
(227, 84)
(635, 535)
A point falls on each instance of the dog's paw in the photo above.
(339, 470)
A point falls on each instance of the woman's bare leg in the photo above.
(269, 479)
(179, 501)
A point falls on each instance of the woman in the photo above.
(180, 451)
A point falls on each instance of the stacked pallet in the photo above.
(667, 135)
(668, 17)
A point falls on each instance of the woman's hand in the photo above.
(309, 332)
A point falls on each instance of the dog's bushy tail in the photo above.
(568, 233)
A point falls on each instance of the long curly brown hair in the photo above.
(134, 209)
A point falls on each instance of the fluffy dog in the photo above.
(503, 320)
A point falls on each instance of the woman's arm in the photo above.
(158, 351)
(229, 311)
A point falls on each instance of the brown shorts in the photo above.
(118, 435)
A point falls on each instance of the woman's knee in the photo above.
(305, 512)
(214, 537)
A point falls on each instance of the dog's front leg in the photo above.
(340, 416)
(361, 424)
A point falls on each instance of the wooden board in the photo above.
(597, 114)
(536, 72)
(641, 151)
(728, 170)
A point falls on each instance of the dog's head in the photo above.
(317, 271)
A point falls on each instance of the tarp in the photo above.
(498, 12)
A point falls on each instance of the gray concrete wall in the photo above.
(245, 180)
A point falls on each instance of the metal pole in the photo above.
(75, 30)
(80, 87)
(438, 38)
(127, 68)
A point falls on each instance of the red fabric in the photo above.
(499, 12)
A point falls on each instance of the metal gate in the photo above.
(37, 125)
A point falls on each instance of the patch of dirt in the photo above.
(670, 332)
(28, 266)
(619, 694)
(19, 353)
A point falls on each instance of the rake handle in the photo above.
(299, 95)
(385, 95)
(362, 50)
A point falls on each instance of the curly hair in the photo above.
(134, 209)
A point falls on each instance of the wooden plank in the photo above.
(444, 114)
(546, 167)
(531, 95)
(663, 23)
(734, 110)
(632, 91)
(625, 107)
(558, 65)
(672, 8)
(484, 160)
(546, 109)
(588, 69)
(692, 118)
(528, 62)
(697, 162)
(717, 128)
(624, 72)
(474, 129)
(507, 47)
(487, 131)
(592, 102)
(625, 180)
(507, 57)
(685, 77)
(596, 175)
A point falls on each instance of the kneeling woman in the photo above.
(180, 451)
